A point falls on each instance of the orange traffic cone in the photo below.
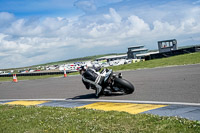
(65, 74)
(15, 78)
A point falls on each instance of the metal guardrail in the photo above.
(34, 74)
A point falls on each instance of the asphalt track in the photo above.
(172, 89)
(169, 84)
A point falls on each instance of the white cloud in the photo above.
(137, 26)
(85, 5)
(5, 17)
(163, 28)
(31, 41)
(115, 16)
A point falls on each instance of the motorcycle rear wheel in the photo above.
(124, 85)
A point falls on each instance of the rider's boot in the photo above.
(99, 85)
(98, 91)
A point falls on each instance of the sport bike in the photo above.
(114, 84)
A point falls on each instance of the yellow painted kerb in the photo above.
(127, 107)
(26, 103)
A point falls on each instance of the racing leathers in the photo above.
(93, 79)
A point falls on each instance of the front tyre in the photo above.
(124, 85)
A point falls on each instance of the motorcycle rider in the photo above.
(92, 78)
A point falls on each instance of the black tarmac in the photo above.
(168, 84)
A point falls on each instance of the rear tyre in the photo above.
(124, 85)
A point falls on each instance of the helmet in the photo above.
(89, 65)
(82, 68)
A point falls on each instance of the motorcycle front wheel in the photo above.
(124, 85)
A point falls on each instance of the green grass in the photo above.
(33, 119)
(185, 59)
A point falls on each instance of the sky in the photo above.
(40, 31)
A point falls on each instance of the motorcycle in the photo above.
(114, 84)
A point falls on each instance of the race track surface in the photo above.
(169, 84)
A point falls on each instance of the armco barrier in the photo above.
(33, 74)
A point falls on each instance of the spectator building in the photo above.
(112, 57)
(134, 50)
(167, 45)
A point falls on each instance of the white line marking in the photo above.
(142, 102)
(101, 100)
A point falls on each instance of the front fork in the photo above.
(112, 82)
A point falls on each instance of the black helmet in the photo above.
(82, 68)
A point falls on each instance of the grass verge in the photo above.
(185, 59)
(34, 119)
